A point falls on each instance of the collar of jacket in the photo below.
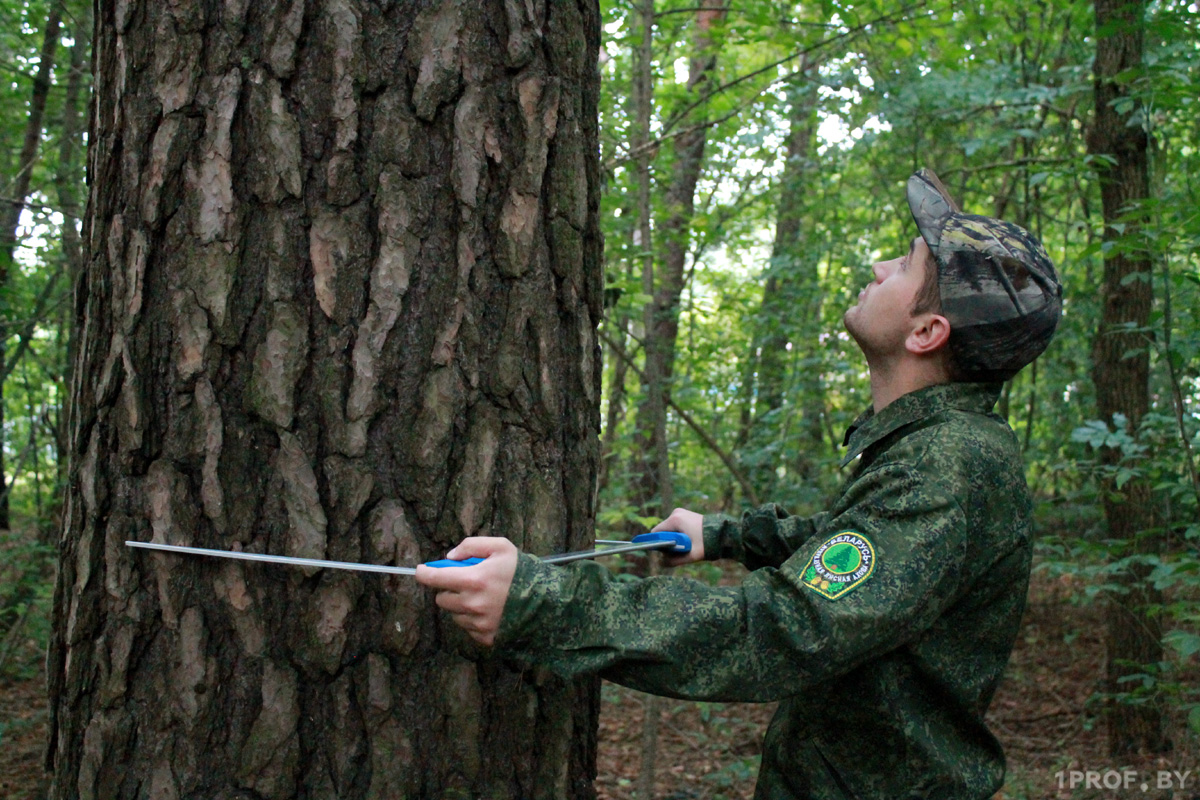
(870, 427)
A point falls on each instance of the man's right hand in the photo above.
(689, 523)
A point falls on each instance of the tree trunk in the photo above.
(340, 299)
(68, 179)
(615, 410)
(1121, 364)
(665, 288)
(789, 317)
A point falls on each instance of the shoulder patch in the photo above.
(842, 562)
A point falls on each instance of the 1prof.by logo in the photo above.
(1124, 779)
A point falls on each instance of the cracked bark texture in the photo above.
(341, 288)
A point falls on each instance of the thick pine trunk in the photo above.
(1121, 365)
(340, 299)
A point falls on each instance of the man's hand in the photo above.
(686, 522)
(475, 596)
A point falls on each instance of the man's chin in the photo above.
(848, 319)
(849, 322)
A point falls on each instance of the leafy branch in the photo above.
(675, 119)
(705, 437)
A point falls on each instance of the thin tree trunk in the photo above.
(1121, 366)
(615, 411)
(39, 523)
(67, 180)
(617, 392)
(789, 316)
(665, 288)
(1031, 408)
(662, 313)
(1178, 402)
(19, 191)
(642, 106)
(697, 428)
(643, 100)
(19, 188)
(341, 294)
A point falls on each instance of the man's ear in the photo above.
(931, 334)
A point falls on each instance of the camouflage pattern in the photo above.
(999, 289)
(883, 689)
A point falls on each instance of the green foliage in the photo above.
(34, 312)
(25, 596)
(1150, 453)
(997, 98)
(35, 298)
(739, 770)
(997, 101)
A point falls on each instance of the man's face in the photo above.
(882, 319)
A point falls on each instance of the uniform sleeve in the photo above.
(764, 537)
(771, 637)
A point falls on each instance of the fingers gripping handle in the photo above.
(450, 562)
(670, 542)
(681, 543)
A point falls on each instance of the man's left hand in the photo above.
(475, 596)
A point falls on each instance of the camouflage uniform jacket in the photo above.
(882, 625)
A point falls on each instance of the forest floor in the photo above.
(1043, 715)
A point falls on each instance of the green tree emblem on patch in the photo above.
(842, 562)
(842, 558)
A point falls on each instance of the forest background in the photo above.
(753, 155)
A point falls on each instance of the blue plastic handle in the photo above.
(450, 562)
(683, 542)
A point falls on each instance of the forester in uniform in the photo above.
(882, 624)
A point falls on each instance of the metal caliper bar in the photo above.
(289, 560)
(667, 541)
(663, 540)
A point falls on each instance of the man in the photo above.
(882, 624)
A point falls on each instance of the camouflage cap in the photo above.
(999, 290)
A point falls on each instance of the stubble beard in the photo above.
(848, 322)
(871, 350)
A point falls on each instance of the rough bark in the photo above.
(1121, 363)
(340, 297)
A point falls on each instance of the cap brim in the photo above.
(931, 206)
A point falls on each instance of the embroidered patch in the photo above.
(840, 564)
